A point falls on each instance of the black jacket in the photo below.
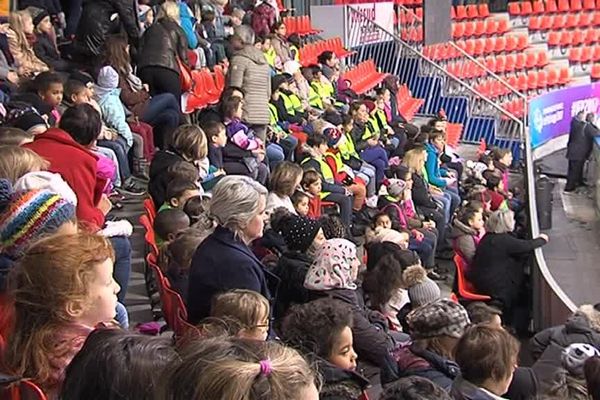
(52, 6)
(420, 194)
(46, 51)
(161, 44)
(159, 179)
(547, 345)
(340, 384)
(223, 263)
(426, 364)
(498, 266)
(291, 269)
(579, 145)
(96, 24)
(371, 341)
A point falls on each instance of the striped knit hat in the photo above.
(24, 216)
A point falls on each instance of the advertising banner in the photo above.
(360, 33)
(550, 114)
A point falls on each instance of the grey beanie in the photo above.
(421, 289)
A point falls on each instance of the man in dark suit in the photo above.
(579, 148)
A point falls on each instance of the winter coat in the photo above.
(371, 341)
(465, 390)
(291, 270)
(579, 145)
(221, 263)
(159, 177)
(52, 6)
(426, 364)
(420, 193)
(97, 23)
(340, 384)
(77, 166)
(113, 112)
(590, 131)
(249, 70)
(435, 173)
(188, 23)
(25, 59)
(547, 345)
(45, 49)
(5, 66)
(162, 44)
(282, 48)
(465, 240)
(497, 267)
(136, 101)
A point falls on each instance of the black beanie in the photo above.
(37, 14)
(299, 232)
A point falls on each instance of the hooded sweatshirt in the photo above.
(107, 93)
(465, 240)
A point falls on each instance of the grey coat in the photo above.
(250, 71)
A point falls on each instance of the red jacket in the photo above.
(77, 166)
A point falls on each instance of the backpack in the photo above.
(263, 18)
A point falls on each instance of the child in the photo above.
(178, 192)
(333, 227)
(331, 191)
(168, 223)
(301, 200)
(311, 184)
(21, 26)
(322, 331)
(466, 233)
(366, 140)
(382, 220)
(14, 136)
(503, 159)
(217, 139)
(64, 287)
(45, 47)
(493, 184)
(227, 368)
(333, 275)
(196, 208)
(570, 381)
(481, 313)
(437, 176)
(421, 290)
(245, 312)
(284, 181)
(49, 87)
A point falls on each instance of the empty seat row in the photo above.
(584, 54)
(499, 64)
(488, 27)
(568, 38)
(526, 8)
(364, 77)
(470, 11)
(310, 52)
(407, 104)
(478, 47)
(206, 89)
(560, 21)
(299, 25)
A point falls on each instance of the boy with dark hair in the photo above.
(168, 223)
(178, 192)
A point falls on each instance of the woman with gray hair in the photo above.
(498, 267)
(250, 71)
(223, 261)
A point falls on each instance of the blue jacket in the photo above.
(432, 165)
(223, 263)
(113, 112)
(188, 23)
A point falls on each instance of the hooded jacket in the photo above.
(250, 71)
(426, 364)
(162, 44)
(340, 384)
(465, 240)
(547, 345)
(435, 173)
(107, 94)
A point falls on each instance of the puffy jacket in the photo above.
(46, 51)
(340, 384)
(426, 364)
(96, 24)
(113, 112)
(291, 269)
(161, 44)
(250, 71)
(547, 345)
(465, 240)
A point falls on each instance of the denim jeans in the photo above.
(122, 266)
(377, 157)
(119, 146)
(122, 317)
(345, 204)
(163, 113)
(367, 174)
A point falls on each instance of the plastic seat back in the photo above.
(150, 209)
(149, 234)
(465, 289)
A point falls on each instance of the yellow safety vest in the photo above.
(314, 100)
(296, 102)
(379, 120)
(326, 172)
(369, 132)
(347, 149)
(270, 55)
(273, 115)
(295, 52)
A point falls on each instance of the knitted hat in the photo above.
(37, 14)
(573, 357)
(333, 136)
(24, 216)
(442, 317)
(421, 289)
(299, 232)
(396, 187)
(108, 78)
(45, 180)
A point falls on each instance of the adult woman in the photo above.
(435, 329)
(487, 358)
(280, 43)
(223, 261)
(161, 111)
(163, 46)
(498, 266)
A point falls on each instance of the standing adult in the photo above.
(579, 148)
(163, 46)
(223, 261)
(97, 22)
(250, 71)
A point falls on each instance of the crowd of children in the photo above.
(304, 226)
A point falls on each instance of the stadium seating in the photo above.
(465, 289)
(407, 104)
(311, 51)
(299, 25)
(364, 77)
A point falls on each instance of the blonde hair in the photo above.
(284, 177)
(245, 309)
(17, 24)
(190, 142)
(17, 161)
(230, 369)
(500, 221)
(54, 272)
(412, 160)
(170, 10)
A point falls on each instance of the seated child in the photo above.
(301, 200)
(178, 192)
(168, 223)
(284, 180)
(421, 290)
(245, 313)
(322, 331)
(311, 185)
(64, 287)
(366, 140)
(494, 189)
(333, 227)
(196, 208)
(49, 87)
(217, 139)
(467, 231)
(45, 46)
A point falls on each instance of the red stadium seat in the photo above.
(576, 5)
(520, 61)
(553, 39)
(572, 21)
(514, 8)
(511, 43)
(458, 30)
(586, 54)
(542, 79)
(535, 23)
(479, 47)
(500, 44)
(565, 38)
(559, 22)
(530, 60)
(551, 76)
(574, 54)
(490, 45)
(542, 59)
(503, 26)
(596, 19)
(578, 37)
(589, 5)
(509, 65)
(479, 28)
(491, 26)
(465, 288)
(538, 7)
(585, 20)
(483, 10)
(595, 72)
(591, 35)
(596, 53)
(526, 8)
(564, 76)
(472, 11)
(461, 12)
(500, 64)
(546, 22)
(551, 6)
(523, 42)
(469, 28)
(563, 5)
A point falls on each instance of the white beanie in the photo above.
(291, 67)
(44, 180)
(108, 78)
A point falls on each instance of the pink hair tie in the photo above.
(265, 367)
